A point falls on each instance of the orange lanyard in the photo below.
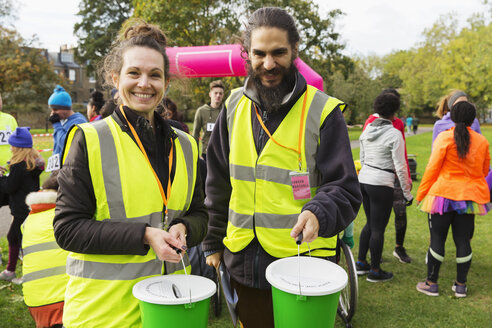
(164, 199)
(301, 129)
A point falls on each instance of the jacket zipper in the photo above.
(264, 118)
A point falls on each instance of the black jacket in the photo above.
(76, 231)
(18, 184)
(335, 204)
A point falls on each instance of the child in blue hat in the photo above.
(26, 165)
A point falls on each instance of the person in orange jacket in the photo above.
(452, 191)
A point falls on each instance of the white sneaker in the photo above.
(7, 275)
(18, 281)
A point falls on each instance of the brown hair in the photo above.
(217, 84)
(443, 103)
(134, 33)
(30, 155)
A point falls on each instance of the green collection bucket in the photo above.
(165, 301)
(308, 299)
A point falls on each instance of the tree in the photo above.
(358, 90)
(467, 62)
(207, 22)
(7, 10)
(25, 74)
(193, 23)
(101, 21)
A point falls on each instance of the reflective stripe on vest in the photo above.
(125, 190)
(261, 195)
(43, 269)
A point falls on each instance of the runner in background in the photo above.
(94, 106)
(453, 190)
(399, 207)
(382, 156)
(206, 115)
(8, 124)
(63, 118)
(26, 165)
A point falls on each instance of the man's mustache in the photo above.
(273, 71)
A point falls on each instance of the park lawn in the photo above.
(392, 304)
(354, 133)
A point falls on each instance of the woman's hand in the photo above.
(162, 242)
(178, 231)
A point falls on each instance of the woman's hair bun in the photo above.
(138, 28)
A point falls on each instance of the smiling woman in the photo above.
(142, 81)
(134, 174)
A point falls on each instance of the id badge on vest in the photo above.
(4, 136)
(53, 163)
(300, 185)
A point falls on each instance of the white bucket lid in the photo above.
(318, 276)
(160, 290)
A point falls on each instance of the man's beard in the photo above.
(271, 97)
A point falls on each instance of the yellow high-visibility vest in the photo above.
(99, 292)
(43, 269)
(8, 124)
(262, 201)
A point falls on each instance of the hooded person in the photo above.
(63, 118)
(382, 156)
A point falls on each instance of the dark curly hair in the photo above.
(270, 17)
(386, 104)
(462, 114)
(97, 100)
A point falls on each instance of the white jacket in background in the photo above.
(382, 149)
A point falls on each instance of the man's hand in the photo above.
(214, 259)
(308, 223)
(54, 118)
(161, 242)
(178, 231)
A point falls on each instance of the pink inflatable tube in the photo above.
(223, 60)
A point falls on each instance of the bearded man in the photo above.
(279, 164)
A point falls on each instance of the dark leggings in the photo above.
(377, 202)
(462, 227)
(400, 211)
(14, 237)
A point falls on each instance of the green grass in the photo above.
(391, 304)
(354, 133)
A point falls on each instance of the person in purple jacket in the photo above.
(444, 113)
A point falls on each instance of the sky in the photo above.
(369, 27)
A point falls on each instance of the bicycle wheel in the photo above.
(217, 299)
(348, 296)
